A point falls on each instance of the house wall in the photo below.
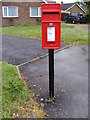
(76, 9)
(23, 13)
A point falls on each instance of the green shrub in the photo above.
(87, 18)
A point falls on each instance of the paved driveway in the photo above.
(17, 50)
(71, 83)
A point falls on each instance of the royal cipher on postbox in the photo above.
(51, 26)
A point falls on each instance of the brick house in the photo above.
(21, 12)
(15, 13)
(29, 11)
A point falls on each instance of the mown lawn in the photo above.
(32, 31)
(69, 34)
(74, 35)
(17, 100)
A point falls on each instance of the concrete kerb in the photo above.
(20, 76)
(43, 56)
(36, 59)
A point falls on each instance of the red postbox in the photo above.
(51, 26)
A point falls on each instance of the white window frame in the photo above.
(38, 12)
(7, 11)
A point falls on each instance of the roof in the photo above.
(22, 0)
(66, 7)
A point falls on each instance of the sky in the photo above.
(67, 1)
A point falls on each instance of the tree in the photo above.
(86, 6)
(87, 15)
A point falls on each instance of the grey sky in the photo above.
(68, 1)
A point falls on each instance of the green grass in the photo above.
(74, 35)
(16, 95)
(69, 34)
(32, 31)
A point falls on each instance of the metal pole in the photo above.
(51, 73)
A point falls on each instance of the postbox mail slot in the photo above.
(51, 15)
(51, 12)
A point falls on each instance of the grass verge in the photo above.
(69, 34)
(17, 100)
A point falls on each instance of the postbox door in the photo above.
(51, 38)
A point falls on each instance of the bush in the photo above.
(87, 18)
(11, 19)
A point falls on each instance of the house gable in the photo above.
(64, 7)
(75, 9)
(74, 6)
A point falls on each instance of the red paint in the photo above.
(29, 103)
(51, 13)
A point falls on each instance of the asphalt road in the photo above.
(17, 50)
(71, 83)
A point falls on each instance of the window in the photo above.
(10, 11)
(35, 11)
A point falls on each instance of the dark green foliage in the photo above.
(87, 15)
(11, 19)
